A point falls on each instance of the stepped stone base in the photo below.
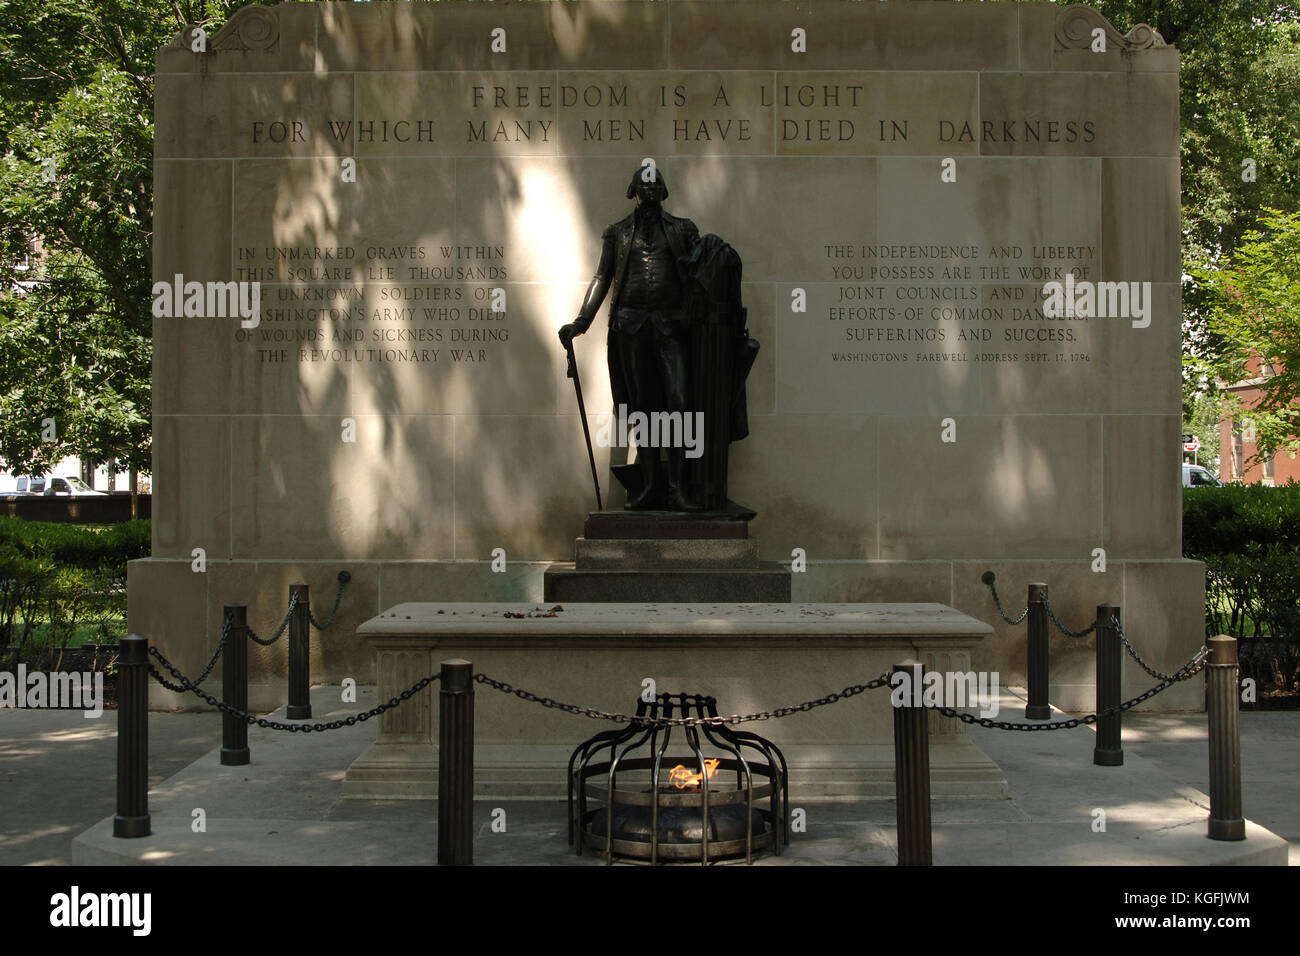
(653, 556)
(673, 554)
(667, 524)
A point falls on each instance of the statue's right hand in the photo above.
(567, 332)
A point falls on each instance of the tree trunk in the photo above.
(133, 480)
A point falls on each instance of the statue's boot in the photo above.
(678, 499)
(652, 492)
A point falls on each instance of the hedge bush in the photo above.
(76, 546)
(58, 579)
(1249, 538)
(1226, 520)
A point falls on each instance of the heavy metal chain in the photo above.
(187, 685)
(1114, 622)
(1065, 630)
(212, 661)
(344, 578)
(1190, 669)
(998, 603)
(988, 579)
(293, 603)
(881, 681)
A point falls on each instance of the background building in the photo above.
(1237, 437)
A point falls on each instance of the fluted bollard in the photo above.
(132, 819)
(1222, 684)
(234, 687)
(1038, 707)
(1109, 749)
(300, 654)
(911, 767)
(456, 764)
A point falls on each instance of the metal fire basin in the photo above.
(655, 821)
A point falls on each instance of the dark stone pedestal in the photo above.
(730, 523)
(649, 556)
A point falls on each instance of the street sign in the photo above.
(1191, 443)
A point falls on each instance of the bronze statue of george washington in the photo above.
(677, 344)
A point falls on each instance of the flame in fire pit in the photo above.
(682, 777)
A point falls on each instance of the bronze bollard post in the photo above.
(300, 654)
(911, 768)
(132, 819)
(234, 688)
(1038, 707)
(456, 764)
(1109, 749)
(1222, 680)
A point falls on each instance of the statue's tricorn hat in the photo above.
(637, 181)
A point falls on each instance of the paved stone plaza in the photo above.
(286, 806)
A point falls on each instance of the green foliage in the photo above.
(76, 90)
(74, 545)
(57, 580)
(1249, 538)
(21, 584)
(1254, 307)
(1241, 107)
(76, 86)
(1240, 519)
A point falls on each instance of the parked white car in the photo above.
(62, 485)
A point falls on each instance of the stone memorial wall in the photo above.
(418, 191)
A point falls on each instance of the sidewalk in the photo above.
(1270, 761)
(57, 775)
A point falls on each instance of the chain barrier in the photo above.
(344, 578)
(187, 685)
(221, 646)
(881, 681)
(1188, 670)
(293, 603)
(1138, 657)
(988, 579)
(1063, 629)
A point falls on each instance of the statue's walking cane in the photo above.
(582, 411)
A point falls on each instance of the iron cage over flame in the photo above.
(624, 796)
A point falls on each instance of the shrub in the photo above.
(1249, 538)
(77, 546)
(1224, 520)
(58, 580)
